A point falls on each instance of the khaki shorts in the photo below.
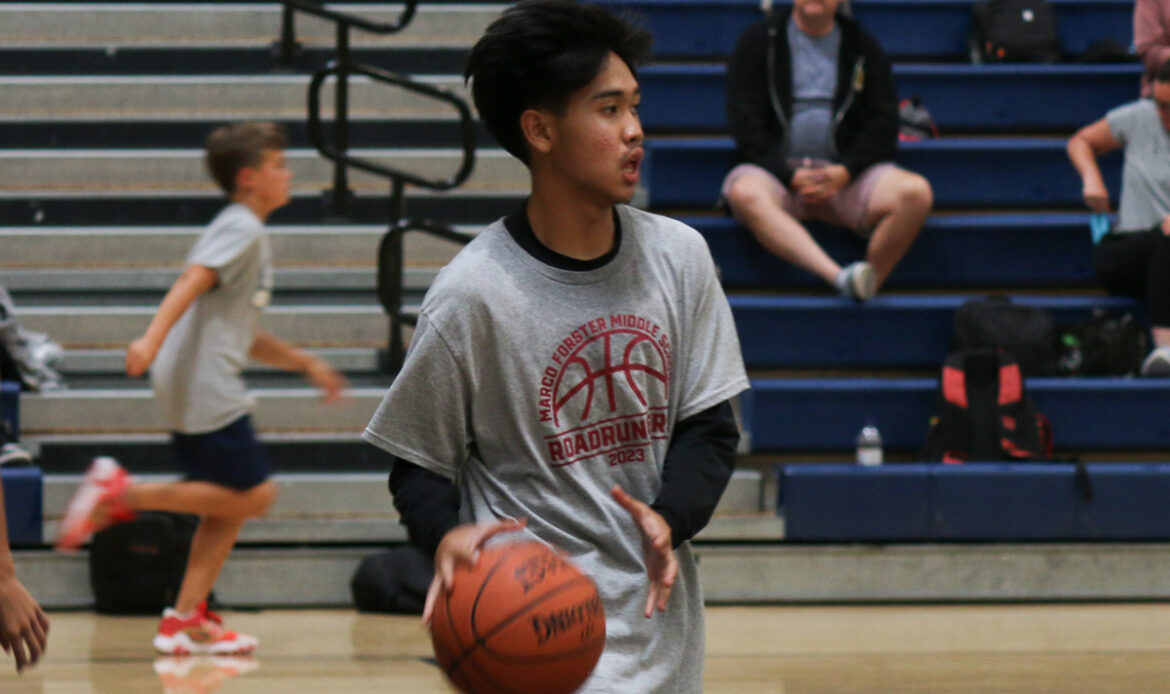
(847, 208)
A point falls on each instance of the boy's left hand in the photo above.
(657, 548)
(139, 356)
(322, 374)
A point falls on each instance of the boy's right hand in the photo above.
(461, 546)
(139, 356)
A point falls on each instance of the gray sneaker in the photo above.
(1157, 364)
(857, 280)
(15, 454)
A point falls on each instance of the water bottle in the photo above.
(869, 445)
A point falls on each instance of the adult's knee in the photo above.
(746, 196)
(916, 193)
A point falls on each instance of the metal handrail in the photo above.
(318, 9)
(390, 280)
(391, 249)
(466, 125)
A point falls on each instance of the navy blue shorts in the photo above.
(231, 456)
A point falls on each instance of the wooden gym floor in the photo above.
(1010, 649)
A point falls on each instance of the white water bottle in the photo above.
(869, 445)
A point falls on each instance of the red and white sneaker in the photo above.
(100, 501)
(199, 633)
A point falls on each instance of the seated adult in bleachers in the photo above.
(812, 106)
(1151, 37)
(1134, 258)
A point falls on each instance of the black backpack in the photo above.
(1028, 333)
(136, 567)
(984, 413)
(395, 581)
(1014, 31)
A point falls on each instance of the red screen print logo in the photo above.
(607, 392)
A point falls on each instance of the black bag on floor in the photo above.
(1006, 31)
(1028, 333)
(395, 581)
(136, 567)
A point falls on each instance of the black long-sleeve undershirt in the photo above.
(698, 466)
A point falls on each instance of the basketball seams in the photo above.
(465, 652)
(525, 610)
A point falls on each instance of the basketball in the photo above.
(522, 621)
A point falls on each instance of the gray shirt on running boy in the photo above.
(538, 389)
(197, 374)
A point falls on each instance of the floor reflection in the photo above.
(200, 674)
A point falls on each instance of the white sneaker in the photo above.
(1157, 364)
(857, 280)
(15, 454)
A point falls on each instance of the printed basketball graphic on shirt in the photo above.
(605, 391)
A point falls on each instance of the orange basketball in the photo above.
(522, 621)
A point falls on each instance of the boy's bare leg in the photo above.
(210, 547)
(754, 206)
(898, 208)
(201, 498)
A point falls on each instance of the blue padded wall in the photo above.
(23, 504)
(996, 502)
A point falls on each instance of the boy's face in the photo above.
(596, 145)
(268, 182)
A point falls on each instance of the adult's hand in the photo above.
(461, 547)
(1096, 195)
(657, 549)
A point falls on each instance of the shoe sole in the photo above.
(179, 645)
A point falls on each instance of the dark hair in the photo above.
(537, 54)
(1162, 74)
(230, 148)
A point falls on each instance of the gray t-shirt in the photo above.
(814, 81)
(1145, 178)
(537, 389)
(197, 374)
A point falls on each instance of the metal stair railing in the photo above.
(391, 248)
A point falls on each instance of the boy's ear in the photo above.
(537, 126)
(245, 178)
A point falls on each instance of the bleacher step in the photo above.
(228, 24)
(97, 170)
(215, 98)
(133, 410)
(730, 573)
(321, 325)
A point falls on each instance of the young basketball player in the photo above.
(203, 333)
(572, 367)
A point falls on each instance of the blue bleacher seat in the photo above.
(907, 29)
(23, 504)
(991, 172)
(10, 407)
(886, 332)
(968, 250)
(1088, 414)
(988, 98)
(975, 502)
